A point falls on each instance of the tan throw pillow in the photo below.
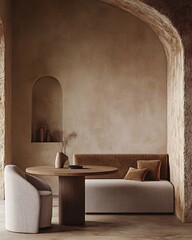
(153, 167)
(136, 174)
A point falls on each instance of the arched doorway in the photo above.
(172, 44)
(2, 108)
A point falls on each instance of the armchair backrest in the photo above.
(12, 169)
(22, 202)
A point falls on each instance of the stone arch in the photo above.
(174, 50)
(2, 107)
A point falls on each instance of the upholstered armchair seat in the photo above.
(28, 201)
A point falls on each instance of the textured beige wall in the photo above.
(112, 69)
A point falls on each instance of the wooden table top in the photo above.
(87, 170)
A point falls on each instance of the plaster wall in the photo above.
(112, 69)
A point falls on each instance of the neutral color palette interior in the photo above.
(112, 73)
(172, 23)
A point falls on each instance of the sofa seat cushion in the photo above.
(128, 196)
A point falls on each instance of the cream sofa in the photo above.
(113, 194)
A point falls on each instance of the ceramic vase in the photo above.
(60, 159)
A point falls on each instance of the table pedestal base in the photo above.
(72, 200)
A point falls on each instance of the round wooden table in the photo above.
(71, 189)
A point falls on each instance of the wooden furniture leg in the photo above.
(72, 200)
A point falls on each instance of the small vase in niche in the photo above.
(60, 159)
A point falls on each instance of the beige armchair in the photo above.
(28, 201)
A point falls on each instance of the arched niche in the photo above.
(47, 110)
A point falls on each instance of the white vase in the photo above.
(60, 159)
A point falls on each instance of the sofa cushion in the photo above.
(153, 169)
(125, 196)
(136, 174)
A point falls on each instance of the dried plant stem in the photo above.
(63, 144)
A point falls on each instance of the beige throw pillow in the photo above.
(136, 174)
(153, 167)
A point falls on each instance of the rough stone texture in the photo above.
(179, 13)
(175, 137)
(175, 60)
(5, 88)
(2, 107)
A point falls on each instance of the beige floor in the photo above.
(110, 227)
